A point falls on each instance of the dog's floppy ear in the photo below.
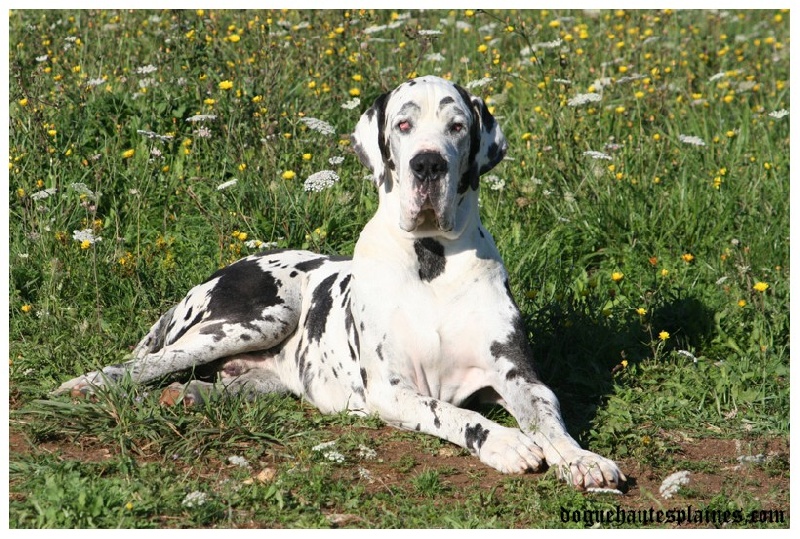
(488, 145)
(369, 139)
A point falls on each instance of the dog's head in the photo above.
(427, 142)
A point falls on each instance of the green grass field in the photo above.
(642, 212)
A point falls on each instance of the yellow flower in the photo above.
(225, 85)
(234, 38)
(307, 157)
(483, 48)
(469, 13)
(641, 311)
(687, 257)
(288, 175)
(664, 272)
(209, 101)
(85, 244)
(664, 335)
(242, 167)
(760, 286)
(554, 24)
(354, 92)
(23, 102)
(20, 192)
(26, 308)
(52, 132)
(742, 303)
(127, 154)
(617, 276)
(624, 363)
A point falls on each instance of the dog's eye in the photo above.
(456, 128)
(404, 126)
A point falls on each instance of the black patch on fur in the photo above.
(321, 303)
(394, 381)
(475, 436)
(446, 101)
(379, 351)
(430, 254)
(486, 117)
(310, 265)
(188, 314)
(436, 421)
(515, 348)
(364, 377)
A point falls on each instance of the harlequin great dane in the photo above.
(420, 320)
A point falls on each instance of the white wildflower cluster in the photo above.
(669, 487)
(319, 181)
(351, 104)
(43, 194)
(258, 244)
(778, 114)
(430, 32)
(582, 99)
(201, 118)
(144, 70)
(82, 189)
(691, 139)
(321, 126)
(41, 59)
(194, 499)
(336, 160)
(240, 461)
(85, 235)
(495, 183)
(91, 83)
(597, 155)
(225, 185)
(478, 83)
(328, 453)
(366, 453)
(155, 136)
(434, 57)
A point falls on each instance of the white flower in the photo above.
(366, 453)
(778, 114)
(582, 99)
(336, 160)
(478, 83)
(430, 32)
(41, 58)
(195, 498)
(363, 473)
(318, 125)
(691, 139)
(319, 181)
(85, 235)
(225, 185)
(353, 103)
(144, 70)
(495, 183)
(91, 83)
(334, 456)
(323, 445)
(81, 189)
(152, 135)
(434, 57)
(201, 117)
(43, 194)
(672, 483)
(597, 155)
(375, 29)
(239, 461)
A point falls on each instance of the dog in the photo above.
(420, 320)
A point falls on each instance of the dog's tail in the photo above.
(156, 338)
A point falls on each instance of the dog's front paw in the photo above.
(584, 469)
(508, 450)
(80, 386)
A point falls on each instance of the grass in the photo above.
(652, 269)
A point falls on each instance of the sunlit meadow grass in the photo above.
(643, 214)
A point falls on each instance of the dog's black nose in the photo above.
(428, 166)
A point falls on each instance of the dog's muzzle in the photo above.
(428, 166)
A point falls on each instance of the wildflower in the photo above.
(478, 83)
(354, 92)
(225, 85)
(209, 101)
(664, 272)
(741, 303)
(319, 181)
(641, 311)
(144, 70)
(778, 114)
(582, 99)
(23, 102)
(482, 47)
(234, 38)
(81, 189)
(351, 104)
(41, 195)
(86, 237)
(129, 506)
(288, 174)
(239, 461)
(687, 257)
(760, 286)
(321, 126)
(201, 117)
(26, 308)
(664, 335)
(195, 498)
(689, 139)
(597, 155)
(127, 154)
(617, 276)
(672, 483)
(225, 185)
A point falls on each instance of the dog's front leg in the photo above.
(537, 411)
(505, 449)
